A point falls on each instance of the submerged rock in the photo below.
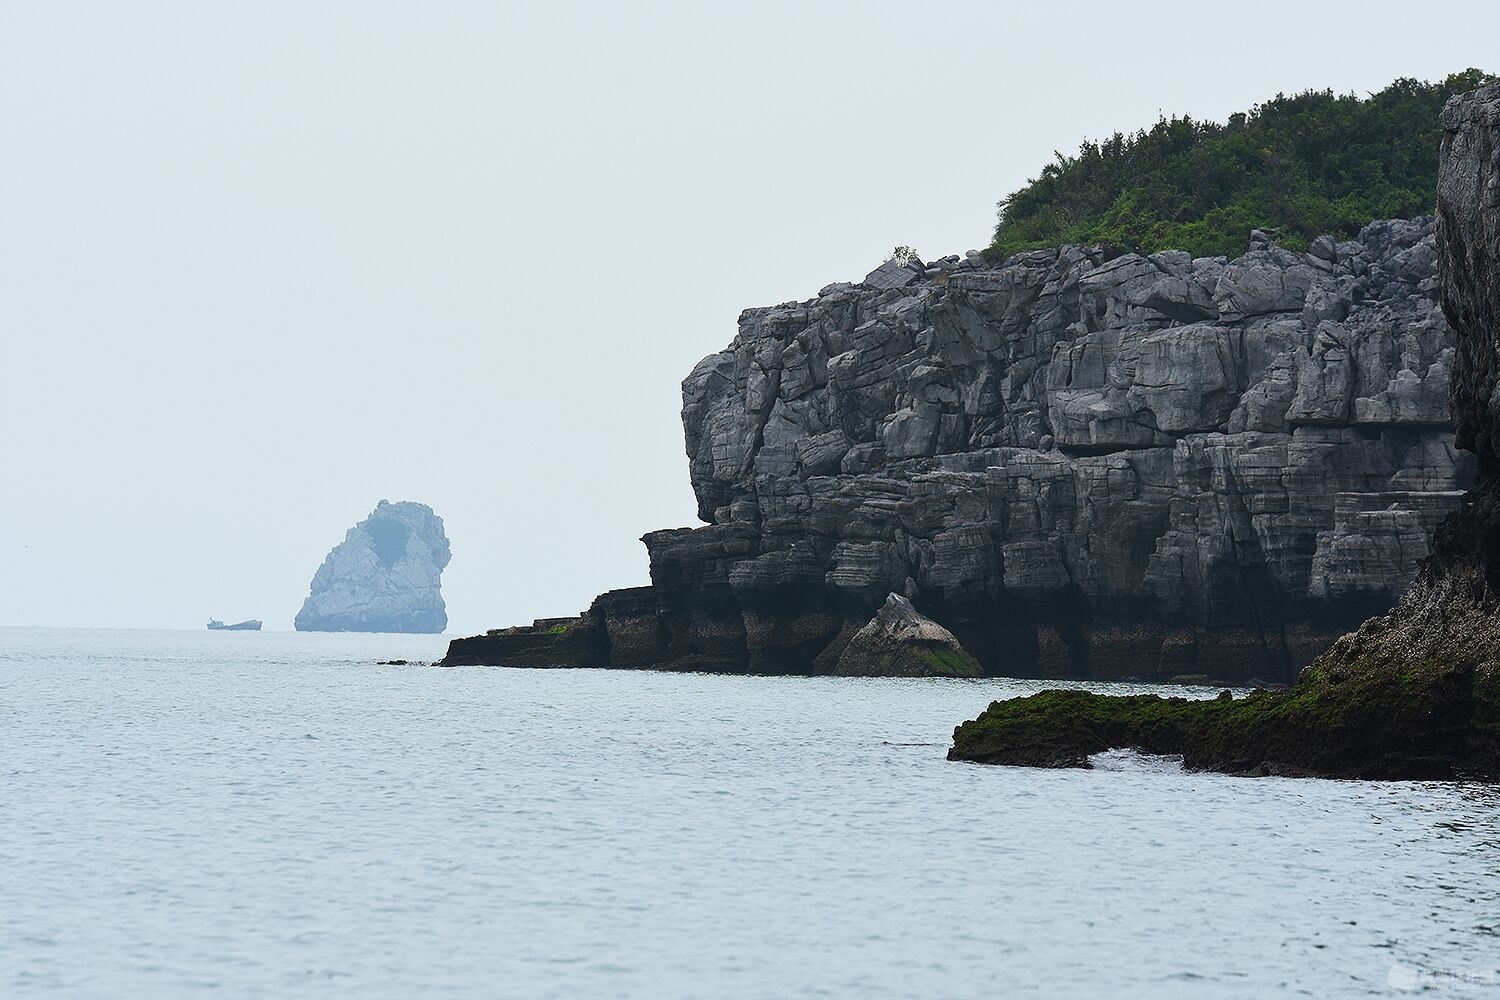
(385, 576)
(900, 641)
(1414, 693)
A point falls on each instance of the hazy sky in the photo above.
(264, 264)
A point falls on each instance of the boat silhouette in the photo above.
(251, 625)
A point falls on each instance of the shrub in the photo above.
(1309, 164)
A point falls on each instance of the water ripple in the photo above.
(277, 816)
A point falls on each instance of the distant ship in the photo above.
(246, 626)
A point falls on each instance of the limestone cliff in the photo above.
(1414, 693)
(1448, 624)
(385, 576)
(1081, 462)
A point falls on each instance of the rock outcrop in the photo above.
(385, 576)
(900, 641)
(1414, 693)
(1083, 463)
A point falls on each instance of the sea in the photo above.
(277, 815)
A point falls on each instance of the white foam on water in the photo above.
(1137, 761)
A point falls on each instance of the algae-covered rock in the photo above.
(1430, 719)
(900, 641)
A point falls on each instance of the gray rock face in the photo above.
(1427, 672)
(900, 641)
(1469, 218)
(1377, 543)
(385, 576)
(1080, 463)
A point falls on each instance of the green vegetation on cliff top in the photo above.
(1312, 164)
(952, 663)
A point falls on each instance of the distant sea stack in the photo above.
(1080, 462)
(385, 576)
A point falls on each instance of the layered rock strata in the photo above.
(1414, 693)
(1083, 463)
(385, 576)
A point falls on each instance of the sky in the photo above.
(263, 265)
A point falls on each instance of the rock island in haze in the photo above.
(385, 576)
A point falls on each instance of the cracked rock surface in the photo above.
(1081, 463)
(1414, 692)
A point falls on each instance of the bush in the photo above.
(1307, 165)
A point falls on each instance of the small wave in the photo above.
(1135, 760)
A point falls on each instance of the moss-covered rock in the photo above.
(1395, 728)
(1413, 694)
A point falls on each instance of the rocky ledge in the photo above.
(1414, 693)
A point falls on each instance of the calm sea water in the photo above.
(273, 815)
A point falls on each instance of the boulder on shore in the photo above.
(900, 641)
